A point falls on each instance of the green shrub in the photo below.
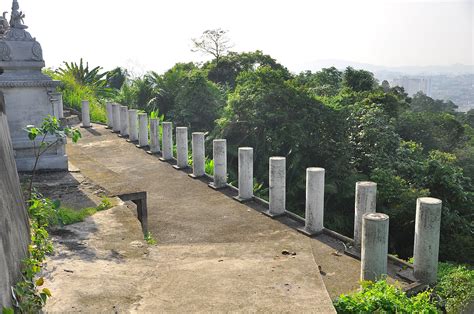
(455, 286)
(381, 297)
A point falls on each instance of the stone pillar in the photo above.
(199, 154)
(374, 246)
(110, 115)
(124, 121)
(57, 102)
(277, 186)
(154, 136)
(116, 118)
(86, 118)
(167, 141)
(245, 174)
(365, 202)
(132, 125)
(219, 155)
(314, 209)
(426, 248)
(143, 130)
(181, 148)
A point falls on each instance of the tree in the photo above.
(213, 42)
(358, 80)
(229, 67)
(326, 82)
(423, 103)
(116, 78)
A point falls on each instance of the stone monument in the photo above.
(29, 94)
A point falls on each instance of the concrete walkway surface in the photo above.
(213, 254)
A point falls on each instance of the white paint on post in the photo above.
(124, 121)
(219, 156)
(154, 136)
(116, 118)
(132, 125)
(374, 246)
(365, 202)
(427, 230)
(110, 115)
(245, 173)
(60, 105)
(181, 147)
(167, 141)
(314, 217)
(277, 186)
(86, 118)
(143, 130)
(199, 154)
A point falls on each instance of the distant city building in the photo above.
(414, 85)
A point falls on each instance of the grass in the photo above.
(68, 216)
(455, 286)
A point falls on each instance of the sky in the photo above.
(153, 35)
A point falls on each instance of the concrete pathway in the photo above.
(213, 253)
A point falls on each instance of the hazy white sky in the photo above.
(154, 35)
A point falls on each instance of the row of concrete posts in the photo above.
(371, 229)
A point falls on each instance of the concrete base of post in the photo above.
(214, 187)
(130, 141)
(145, 147)
(272, 215)
(242, 200)
(86, 127)
(180, 168)
(305, 231)
(192, 175)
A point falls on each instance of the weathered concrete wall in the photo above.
(14, 226)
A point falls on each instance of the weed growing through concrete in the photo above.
(149, 238)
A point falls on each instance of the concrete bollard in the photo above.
(154, 136)
(132, 125)
(427, 230)
(124, 131)
(116, 118)
(374, 246)
(199, 154)
(219, 156)
(277, 187)
(365, 202)
(86, 118)
(181, 148)
(60, 106)
(245, 174)
(167, 141)
(314, 208)
(57, 102)
(110, 115)
(142, 130)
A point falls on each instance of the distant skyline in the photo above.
(154, 35)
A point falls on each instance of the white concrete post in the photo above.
(132, 125)
(154, 136)
(143, 130)
(181, 147)
(124, 121)
(219, 156)
(426, 248)
(110, 115)
(60, 105)
(374, 249)
(314, 209)
(365, 202)
(277, 186)
(116, 118)
(199, 154)
(86, 118)
(167, 141)
(245, 174)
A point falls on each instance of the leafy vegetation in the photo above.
(381, 297)
(455, 286)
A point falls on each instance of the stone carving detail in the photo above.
(4, 25)
(37, 52)
(17, 28)
(16, 19)
(5, 51)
